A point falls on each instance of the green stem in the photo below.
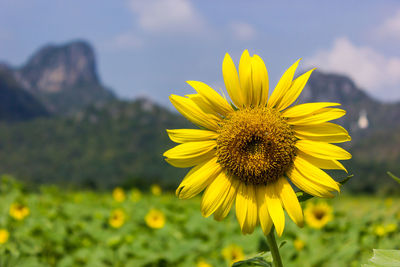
(274, 248)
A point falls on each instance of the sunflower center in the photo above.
(256, 145)
(319, 214)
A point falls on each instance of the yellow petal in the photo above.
(245, 78)
(325, 138)
(193, 113)
(190, 152)
(190, 162)
(215, 100)
(294, 91)
(198, 178)
(226, 205)
(308, 186)
(326, 128)
(263, 214)
(322, 150)
(290, 201)
(315, 174)
(317, 117)
(252, 212)
(215, 194)
(241, 204)
(205, 106)
(231, 80)
(306, 109)
(324, 132)
(191, 135)
(282, 86)
(326, 164)
(260, 81)
(275, 208)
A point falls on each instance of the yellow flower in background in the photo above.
(203, 263)
(379, 230)
(19, 211)
(4, 235)
(388, 202)
(391, 228)
(136, 195)
(156, 189)
(117, 218)
(299, 244)
(155, 219)
(248, 150)
(118, 194)
(232, 254)
(318, 215)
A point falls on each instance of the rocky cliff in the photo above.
(64, 77)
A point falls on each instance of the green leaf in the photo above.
(303, 196)
(282, 243)
(383, 258)
(397, 179)
(262, 259)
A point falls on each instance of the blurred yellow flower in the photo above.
(299, 244)
(117, 218)
(233, 253)
(391, 227)
(203, 263)
(4, 235)
(379, 230)
(389, 202)
(118, 194)
(136, 195)
(156, 189)
(155, 219)
(18, 211)
(318, 215)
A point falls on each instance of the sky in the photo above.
(150, 48)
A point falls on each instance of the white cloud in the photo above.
(127, 40)
(167, 15)
(390, 28)
(378, 74)
(243, 31)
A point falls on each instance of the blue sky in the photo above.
(150, 48)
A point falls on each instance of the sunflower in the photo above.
(203, 263)
(118, 194)
(318, 215)
(155, 219)
(299, 244)
(4, 235)
(233, 253)
(156, 190)
(248, 150)
(117, 218)
(19, 211)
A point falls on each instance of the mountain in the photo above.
(16, 104)
(63, 77)
(119, 143)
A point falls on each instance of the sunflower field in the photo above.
(131, 227)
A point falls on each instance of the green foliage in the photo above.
(262, 259)
(384, 258)
(397, 179)
(72, 229)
